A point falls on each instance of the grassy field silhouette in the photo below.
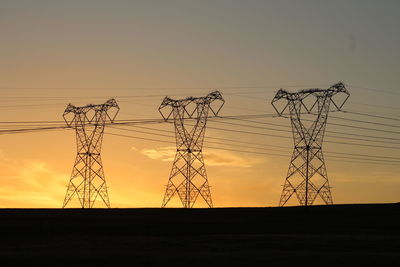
(339, 235)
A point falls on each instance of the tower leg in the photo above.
(188, 179)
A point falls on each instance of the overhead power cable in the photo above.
(242, 151)
(257, 145)
(367, 122)
(279, 136)
(330, 136)
(263, 145)
(328, 130)
(371, 115)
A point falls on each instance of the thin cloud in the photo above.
(211, 157)
(30, 183)
(163, 153)
(218, 158)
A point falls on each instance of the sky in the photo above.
(59, 52)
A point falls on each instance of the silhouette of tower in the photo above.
(307, 176)
(188, 177)
(87, 181)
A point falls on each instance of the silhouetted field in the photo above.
(349, 235)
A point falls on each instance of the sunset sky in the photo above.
(59, 52)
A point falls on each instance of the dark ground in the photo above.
(340, 235)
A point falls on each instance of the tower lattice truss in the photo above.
(307, 176)
(188, 177)
(87, 181)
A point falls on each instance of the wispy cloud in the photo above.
(162, 153)
(30, 183)
(212, 157)
(223, 158)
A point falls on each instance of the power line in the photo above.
(236, 117)
(329, 131)
(244, 95)
(330, 136)
(257, 144)
(362, 155)
(31, 129)
(128, 121)
(359, 127)
(161, 88)
(367, 122)
(337, 124)
(374, 105)
(278, 136)
(209, 137)
(374, 89)
(371, 115)
(264, 145)
(25, 130)
(242, 151)
(171, 136)
(121, 122)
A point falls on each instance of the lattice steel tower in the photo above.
(188, 177)
(307, 176)
(87, 179)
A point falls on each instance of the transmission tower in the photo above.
(87, 181)
(188, 177)
(307, 176)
